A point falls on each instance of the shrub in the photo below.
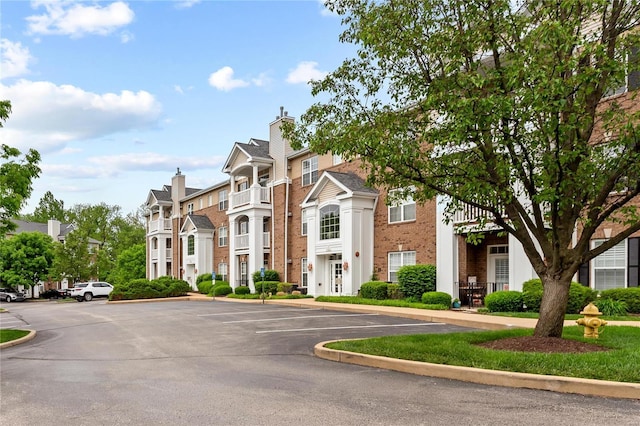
(284, 287)
(242, 290)
(436, 298)
(579, 297)
(393, 292)
(415, 280)
(630, 296)
(532, 299)
(374, 290)
(222, 290)
(178, 288)
(504, 301)
(205, 287)
(269, 275)
(269, 287)
(203, 277)
(610, 307)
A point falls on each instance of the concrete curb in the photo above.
(31, 335)
(601, 388)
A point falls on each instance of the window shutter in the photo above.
(583, 274)
(633, 262)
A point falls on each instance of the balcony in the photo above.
(469, 218)
(252, 196)
(242, 241)
(159, 225)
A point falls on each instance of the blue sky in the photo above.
(115, 95)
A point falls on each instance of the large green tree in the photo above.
(73, 259)
(16, 175)
(505, 110)
(25, 259)
(48, 208)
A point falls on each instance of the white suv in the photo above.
(87, 291)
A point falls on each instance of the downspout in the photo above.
(273, 230)
(286, 226)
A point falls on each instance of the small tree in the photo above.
(25, 259)
(415, 280)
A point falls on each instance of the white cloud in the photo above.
(46, 116)
(15, 59)
(185, 4)
(76, 19)
(126, 37)
(223, 80)
(262, 80)
(305, 72)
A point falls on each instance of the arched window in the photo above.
(191, 245)
(330, 222)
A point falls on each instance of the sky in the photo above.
(116, 95)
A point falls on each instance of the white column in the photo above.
(256, 256)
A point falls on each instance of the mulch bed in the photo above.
(542, 344)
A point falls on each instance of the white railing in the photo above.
(242, 241)
(243, 198)
(168, 253)
(154, 253)
(160, 224)
(266, 239)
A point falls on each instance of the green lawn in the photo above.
(9, 335)
(618, 364)
(535, 315)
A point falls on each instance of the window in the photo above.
(310, 171)
(210, 200)
(304, 281)
(190, 208)
(304, 222)
(243, 186)
(191, 245)
(337, 159)
(330, 222)
(223, 200)
(610, 268)
(399, 259)
(222, 271)
(402, 210)
(243, 227)
(223, 236)
(201, 203)
(262, 180)
(632, 78)
(168, 243)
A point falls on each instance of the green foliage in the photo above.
(144, 289)
(357, 300)
(242, 290)
(269, 275)
(374, 290)
(25, 259)
(630, 296)
(436, 298)
(284, 287)
(204, 277)
(266, 287)
(205, 287)
(504, 301)
(532, 300)
(610, 307)
(48, 208)
(534, 284)
(579, 297)
(222, 290)
(130, 265)
(393, 291)
(415, 280)
(16, 177)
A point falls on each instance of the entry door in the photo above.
(499, 271)
(336, 277)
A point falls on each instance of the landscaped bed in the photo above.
(614, 356)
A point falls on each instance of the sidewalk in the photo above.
(466, 318)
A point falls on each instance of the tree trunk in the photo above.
(553, 307)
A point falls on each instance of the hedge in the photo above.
(269, 275)
(415, 280)
(374, 290)
(579, 296)
(630, 296)
(145, 289)
(436, 298)
(222, 290)
(242, 290)
(504, 301)
(268, 286)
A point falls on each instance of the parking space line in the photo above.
(346, 327)
(294, 318)
(253, 312)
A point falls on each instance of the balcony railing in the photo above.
(261, 195)
(242, 241)
(160, 225)
(473, 293)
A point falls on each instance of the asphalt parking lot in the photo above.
(243, 364)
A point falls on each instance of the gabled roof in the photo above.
(350, 184)
(199, 222)
(255, 149)
(43, 228)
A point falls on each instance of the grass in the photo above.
(619, 364)
(9, 335)
(257, 296)
(535, 315)
(386, 302)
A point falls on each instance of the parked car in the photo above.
(54, 294)
(87, 291)
(9, 295)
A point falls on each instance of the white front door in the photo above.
(498, 272)
(336, 277)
